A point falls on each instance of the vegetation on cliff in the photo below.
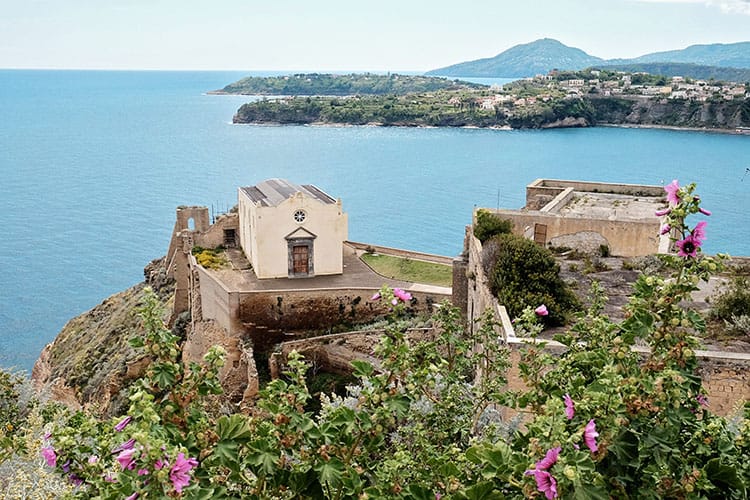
(343, 85)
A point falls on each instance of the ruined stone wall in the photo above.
(297, 310)
(624, 238)
(725, 375)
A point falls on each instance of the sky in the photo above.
(338, 35)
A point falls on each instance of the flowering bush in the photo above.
(431, 417)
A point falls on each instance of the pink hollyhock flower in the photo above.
(665, 229)
(394, 301)
(671, 190)
(180, 473)
(545, 482)
(702, 400)
(570, 410)
(123, 423)
(662, 212)
(127, 445)
(541, 310)
(132, 497)
(590, 435)
(704, 211)
(549, 459)
(77, 481)
(404, 296)
(143, 472)
(699, 232)
(93, 459)
(688, 247)
(159, 464)
(126, 459)
(49, 455)
(376, 296)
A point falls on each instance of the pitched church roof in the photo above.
(272, 192)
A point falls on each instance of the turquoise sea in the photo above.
(93, 165)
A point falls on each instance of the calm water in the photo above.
(93, 164)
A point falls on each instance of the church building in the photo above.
(291, 231)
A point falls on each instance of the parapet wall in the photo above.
(553, 187)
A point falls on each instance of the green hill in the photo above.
(696, 71)
(541, 56)
(343, 85)
(732, 55)
(538, 57)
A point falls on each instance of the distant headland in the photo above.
(557, 99)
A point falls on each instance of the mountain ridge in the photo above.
(546, 54)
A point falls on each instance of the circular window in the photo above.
(299, 216)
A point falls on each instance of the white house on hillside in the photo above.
(291, 231)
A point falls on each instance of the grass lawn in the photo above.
(415, 271)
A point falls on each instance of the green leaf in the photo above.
(589, 492)
(234, 428)
(330, 472)
(481, 491)
(724, 476)
(362, 368)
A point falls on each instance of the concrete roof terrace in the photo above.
(610, 206)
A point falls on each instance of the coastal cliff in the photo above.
(90, 363)
(587, 111)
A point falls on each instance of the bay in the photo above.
(94, 163)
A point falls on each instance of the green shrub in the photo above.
(489, 225)
(527, 275)
(734, 301)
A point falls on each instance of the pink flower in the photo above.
(49, 455)
(545, 482)
(77, 481)
(590, 435)
(404, 296)
(143, 472)
(549, 459)
(127, 445)
(699, 232)
(109, 478)
(126, 459)
(159, 464)
(704, 211)
(180, 473)
(123, 423)
(93, 459)
(702, 400)
(394, 301)
(688, 247)
(665, 229)
(671, 190)
(47, 435)
(376, 296)
(132, 497)
(541, 310)
(662, 212)
(569, 407)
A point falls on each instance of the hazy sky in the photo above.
(393, 35)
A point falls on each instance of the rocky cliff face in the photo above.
(90, 362)
(672, 112)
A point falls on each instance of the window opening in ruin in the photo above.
(191, 224)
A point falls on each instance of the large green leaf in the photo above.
(234, 428)
(724, 477)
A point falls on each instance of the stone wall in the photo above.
(625, 238)
(398, 252)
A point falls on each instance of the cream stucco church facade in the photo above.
(291, 231)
